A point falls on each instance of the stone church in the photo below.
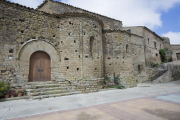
(61, 46)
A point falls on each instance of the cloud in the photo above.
(174, 37)
(130, 12)
(28, 3)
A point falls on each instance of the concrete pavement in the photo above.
(147, 101)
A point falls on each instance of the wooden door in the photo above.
(157, 58)
(40, 67)
(178, 56)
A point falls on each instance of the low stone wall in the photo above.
(83, 85)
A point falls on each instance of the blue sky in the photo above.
(161, 16)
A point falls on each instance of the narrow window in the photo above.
(77, 68)
(91, 45)
(127, 49)
(139, 68)
(155, 45)
(148, 41)
(67, 67)
(160, 46)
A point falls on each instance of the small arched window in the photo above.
(91, 45)
(127, 49)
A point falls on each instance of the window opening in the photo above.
(11, 51)
(91, 45)
(155, 45)
(127, 49)
(139, 68)
(66, 58)
(129, 30)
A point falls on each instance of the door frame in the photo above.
(25, 52)
(178, 56)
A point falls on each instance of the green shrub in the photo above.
(24, 92)
(162, 52)
(4, 89)
(154, 64)
(121, 87)
(106, 79)
(116, 79)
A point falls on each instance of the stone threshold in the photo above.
(14, 98)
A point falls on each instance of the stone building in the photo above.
(152, 42)
(64, 46)
(173, 49)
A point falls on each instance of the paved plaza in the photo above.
(145, 102)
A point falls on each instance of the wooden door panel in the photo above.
(40, 69)
(45, 66)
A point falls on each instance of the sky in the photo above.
(161, 16)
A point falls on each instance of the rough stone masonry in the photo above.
(82, 46)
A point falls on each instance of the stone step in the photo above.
(48, 92)
(39, 83)
(42, 86)
(55, 95)
(45, 89)
(158, 74)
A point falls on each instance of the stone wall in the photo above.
(65, 38)
(152, 51)
(150, 38)
(138, 30)
(138, 57)
(55, 7)
(123, 54)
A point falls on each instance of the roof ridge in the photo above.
(75, 7)
(18, 4)
(116, 30)
(56, 15)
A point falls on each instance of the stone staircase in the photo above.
(159, 73)
(40, 90)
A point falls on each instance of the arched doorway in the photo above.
(40, 67)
